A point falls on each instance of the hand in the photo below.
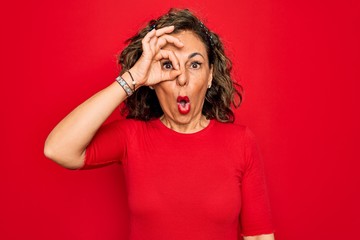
(149, 70)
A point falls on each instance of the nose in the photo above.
(182, 78)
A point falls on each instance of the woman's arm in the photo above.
(261, 237)
(67, 142)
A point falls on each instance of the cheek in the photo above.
(164, 87)
(164, 91)
(200, 82)
(198, 93)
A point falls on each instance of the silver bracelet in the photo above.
(125, 86)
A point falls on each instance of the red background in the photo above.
(297, 60)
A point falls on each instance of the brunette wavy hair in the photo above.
(224, 92)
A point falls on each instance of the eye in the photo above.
(195, 65)
(167, 65)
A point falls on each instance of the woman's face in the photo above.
(182, 99)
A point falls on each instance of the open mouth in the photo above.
(183, 103)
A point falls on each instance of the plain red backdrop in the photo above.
(297, 60)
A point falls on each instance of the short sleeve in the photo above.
(107, 146)
(255, 212)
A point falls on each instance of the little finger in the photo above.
(146, 41)
(164, 30)
(152, 44)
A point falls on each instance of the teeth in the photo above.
(183, 103)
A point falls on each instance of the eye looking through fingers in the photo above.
(167, 65)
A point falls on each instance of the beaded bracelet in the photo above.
(125, 86)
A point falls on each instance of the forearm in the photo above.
(261, 237)
(67, 142)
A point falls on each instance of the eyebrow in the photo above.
(194, 54)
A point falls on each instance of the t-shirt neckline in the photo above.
(171, 131)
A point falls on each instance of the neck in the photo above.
(193, 126)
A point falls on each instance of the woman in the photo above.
(190, 172)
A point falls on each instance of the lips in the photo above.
(183, 103)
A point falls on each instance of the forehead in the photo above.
(192, 43)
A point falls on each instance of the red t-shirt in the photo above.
(205, 185)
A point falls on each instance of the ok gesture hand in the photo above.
(148, 70)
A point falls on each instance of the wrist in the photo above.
(124, 83)
(139, 75)
(131, 79)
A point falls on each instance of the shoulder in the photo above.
(233, 129)
(234, 134)
(237, 140)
